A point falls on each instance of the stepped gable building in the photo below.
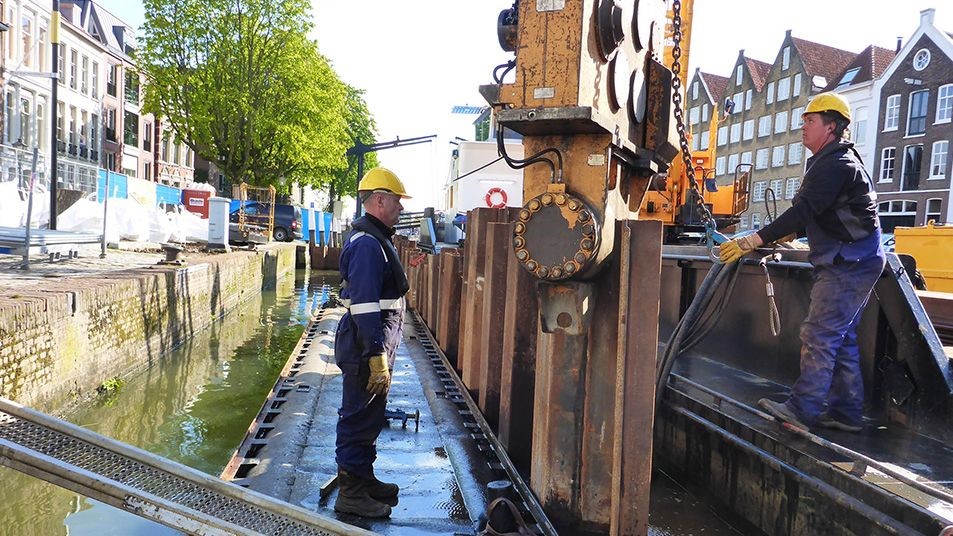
(914, 130)
(766, 132)
(856, 84)
(705, 99)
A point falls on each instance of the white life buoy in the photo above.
(495, 197)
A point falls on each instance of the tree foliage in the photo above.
(361, 128)
(240, 83)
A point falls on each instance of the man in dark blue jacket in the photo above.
(836, 206)
(373, 285)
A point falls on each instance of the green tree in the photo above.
(361, 128)
(243, 86)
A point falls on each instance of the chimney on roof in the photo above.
(926, 16)
(899, 44)
(787, 34)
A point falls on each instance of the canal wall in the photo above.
(61, 340)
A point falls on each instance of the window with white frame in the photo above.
(26, 115)
(705, 140)
(761, 159)
(784, 89)
(42, 134)
(94, 81)
(756, 218)
(785, 58)
(944, 104)
(9, 107)
(888, 162)
(743, 224)
(748, 130)
(764, 126)
(11, 40)
(748, 99)
(722, 135)
(705, 112)
(84, 76)
(780, 122)
(797, 119)
(892, 113)
(695, 89)
(732, 163)
(858, 128)
(912, 163)
(736, 133)
(746, 158)
(777, 186)
(693, 114)
(739, 100)
(790, 187)
(796, 85)
(777, 156)
(934, 210)
(694, 143)
(917, 114)
(758, 192)
(41, 41)
(739, 75)
(794, 154)
(719, 166)
(26, 36)
(769, 93)
(73, 66)
(939, 159)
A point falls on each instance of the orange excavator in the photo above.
(670, 199)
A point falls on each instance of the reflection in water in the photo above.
(194, 408)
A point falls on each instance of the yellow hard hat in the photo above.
(382, 179)
(829, 102)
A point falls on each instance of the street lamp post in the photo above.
(55, 41)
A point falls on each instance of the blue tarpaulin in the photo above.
(118, 187)
(320, 238)
(168, 195)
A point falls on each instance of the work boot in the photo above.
(826, 421)
(353, 497)
(782, 412)
(384, 492)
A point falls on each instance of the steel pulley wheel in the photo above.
(557, 236)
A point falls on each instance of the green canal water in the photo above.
(193, 407)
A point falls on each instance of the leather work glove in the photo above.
(379, 381)
(736, 248)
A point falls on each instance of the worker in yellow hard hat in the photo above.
(373, 285)
(836, 207)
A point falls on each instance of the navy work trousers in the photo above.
(831, 377)
(361, 419)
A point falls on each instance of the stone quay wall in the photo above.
(59, 341)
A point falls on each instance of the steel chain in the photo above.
(700, 207)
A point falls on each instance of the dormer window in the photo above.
(921, 59)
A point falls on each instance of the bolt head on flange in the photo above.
(557, 237)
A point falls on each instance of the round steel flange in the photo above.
(610, 30)
(557, 237)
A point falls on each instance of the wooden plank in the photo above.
(640, 278)
(498, 250)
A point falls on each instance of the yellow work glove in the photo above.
(379, 381)
(736, 248)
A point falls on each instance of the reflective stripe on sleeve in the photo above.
(365, 308)
(385, 305)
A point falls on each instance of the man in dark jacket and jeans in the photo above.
(373, 285)
(836, 206)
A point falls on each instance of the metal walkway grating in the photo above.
(145, 484)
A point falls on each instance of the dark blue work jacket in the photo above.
(836, 206)
(372, 287)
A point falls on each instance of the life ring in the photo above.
(496, 190)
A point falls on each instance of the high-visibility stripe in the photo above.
(359, 234)
(365, 308)
(383, 305)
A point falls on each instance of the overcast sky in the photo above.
(418, 58)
